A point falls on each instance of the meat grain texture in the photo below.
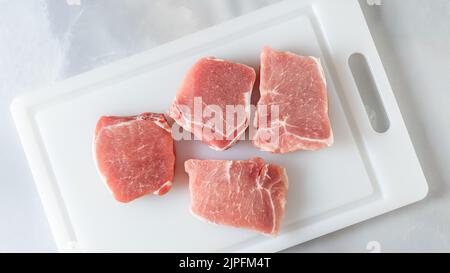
(209, 87)
(296, 85)
(135, 155)
(243, 193)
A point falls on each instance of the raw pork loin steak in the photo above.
(135, 155)
(246, 193)
(296, 84)
(201, 102)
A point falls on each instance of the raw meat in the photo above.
(209, 87)
(246, 193)
(135, 155)
(296, 84)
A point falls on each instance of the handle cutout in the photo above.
(369, 93)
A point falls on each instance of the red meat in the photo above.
(209, 87)
(135, 155)
(296, 85)
(246, 193)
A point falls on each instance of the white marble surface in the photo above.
(44, 41)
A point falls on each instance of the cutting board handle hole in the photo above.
(369, 92)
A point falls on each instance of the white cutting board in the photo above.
(363, 175)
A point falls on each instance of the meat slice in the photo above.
(245, 193)
(296, 86)
(135, 155)
(209, 88)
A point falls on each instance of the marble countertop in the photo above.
(45, 41)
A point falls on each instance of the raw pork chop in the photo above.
(208, 88)
(246, 193)
(296, 84)
(135, 155)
